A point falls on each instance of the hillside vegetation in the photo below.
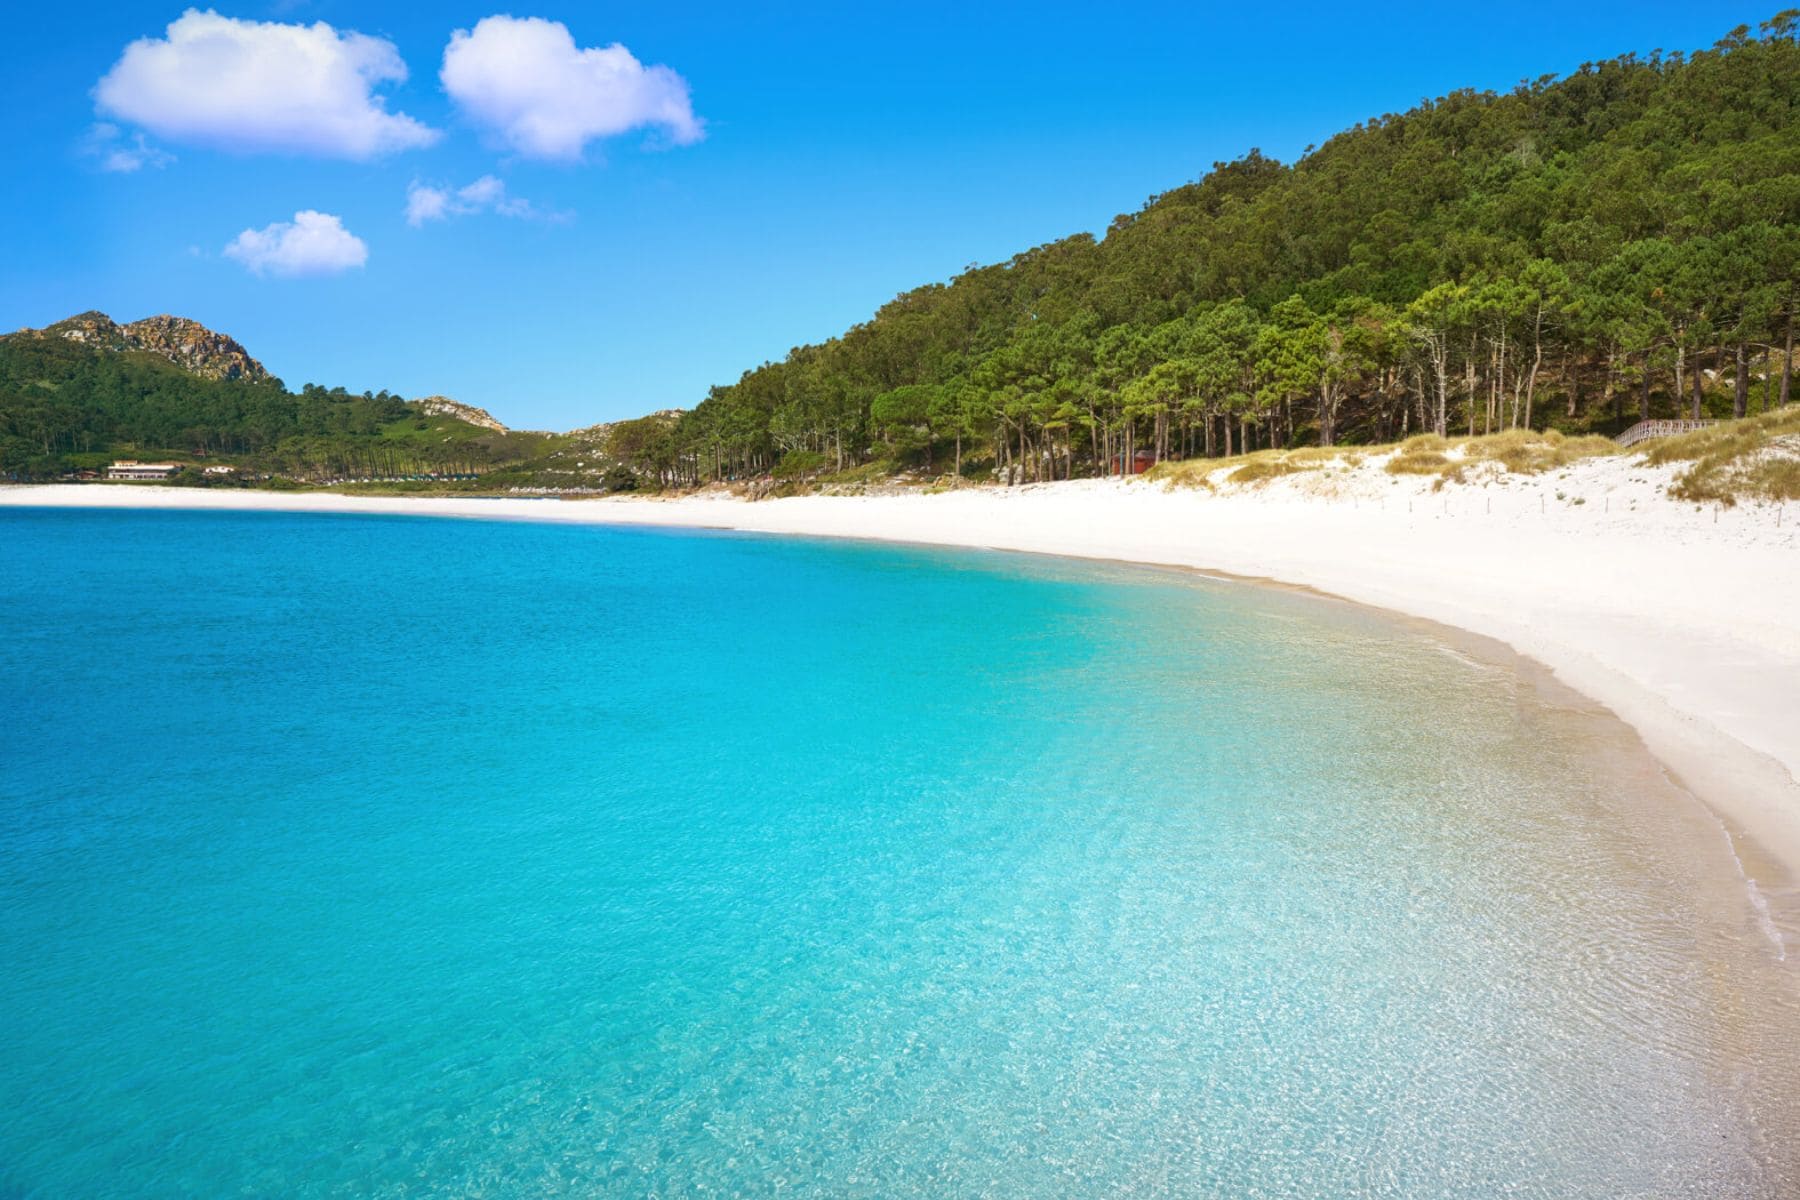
(1577, 253)
(1571, 256)
(85, 391)
(1755, 459)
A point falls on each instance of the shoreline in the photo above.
(1682, 623)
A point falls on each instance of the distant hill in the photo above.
(182, 341)
(78, 393)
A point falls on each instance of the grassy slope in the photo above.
(1754, 459)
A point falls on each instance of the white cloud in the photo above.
(313, 243)
(122, 154)
(484, 191)
(261, 85)
(425, 202)
(525, 80)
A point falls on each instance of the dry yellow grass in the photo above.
(1754, 459)
(1273, 467)
(1527, 452)
(1197, 472)
(1321, 456)
(1522, 451)
(1417, 462)
(1727, 438)
(1258, 466)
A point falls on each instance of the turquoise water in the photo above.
(347, 856)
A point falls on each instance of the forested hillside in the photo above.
(1578, 253)
(79, 393)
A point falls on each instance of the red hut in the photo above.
(1140, 462)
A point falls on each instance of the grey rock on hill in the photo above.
(444, 406)
(184, 342)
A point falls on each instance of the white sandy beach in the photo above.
(1684, 621)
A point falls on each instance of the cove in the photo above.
(381, 856)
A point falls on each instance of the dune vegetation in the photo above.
(1519, 452)
(1754, 459)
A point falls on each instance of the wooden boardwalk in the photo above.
(1643, 431)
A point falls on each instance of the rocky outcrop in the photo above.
(444, 406)
(185, 343)
(194, 346)
(600, 434)
(94, 329)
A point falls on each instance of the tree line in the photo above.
(65, 404)
(1581, 252)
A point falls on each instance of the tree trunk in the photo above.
(1719, 360)
(1497, 389)
(1787, 357)
(1699, 388)
(1680, 396)
(1740, 391)
(1469, 375)
(1531, 382)
(1442, 424)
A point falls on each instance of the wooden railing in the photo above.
(1643, 431)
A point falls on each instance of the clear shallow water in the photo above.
(358, 856)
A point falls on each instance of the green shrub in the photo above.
(797, 464)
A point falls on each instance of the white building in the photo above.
(127, 468)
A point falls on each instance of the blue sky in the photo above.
(621, 258)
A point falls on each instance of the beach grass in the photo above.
(1271, 465)
(1757, 458)
(1418, 462)
(1256, 467)
(1519, 451)
(1527, 452)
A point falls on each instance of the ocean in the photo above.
(388, 856)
